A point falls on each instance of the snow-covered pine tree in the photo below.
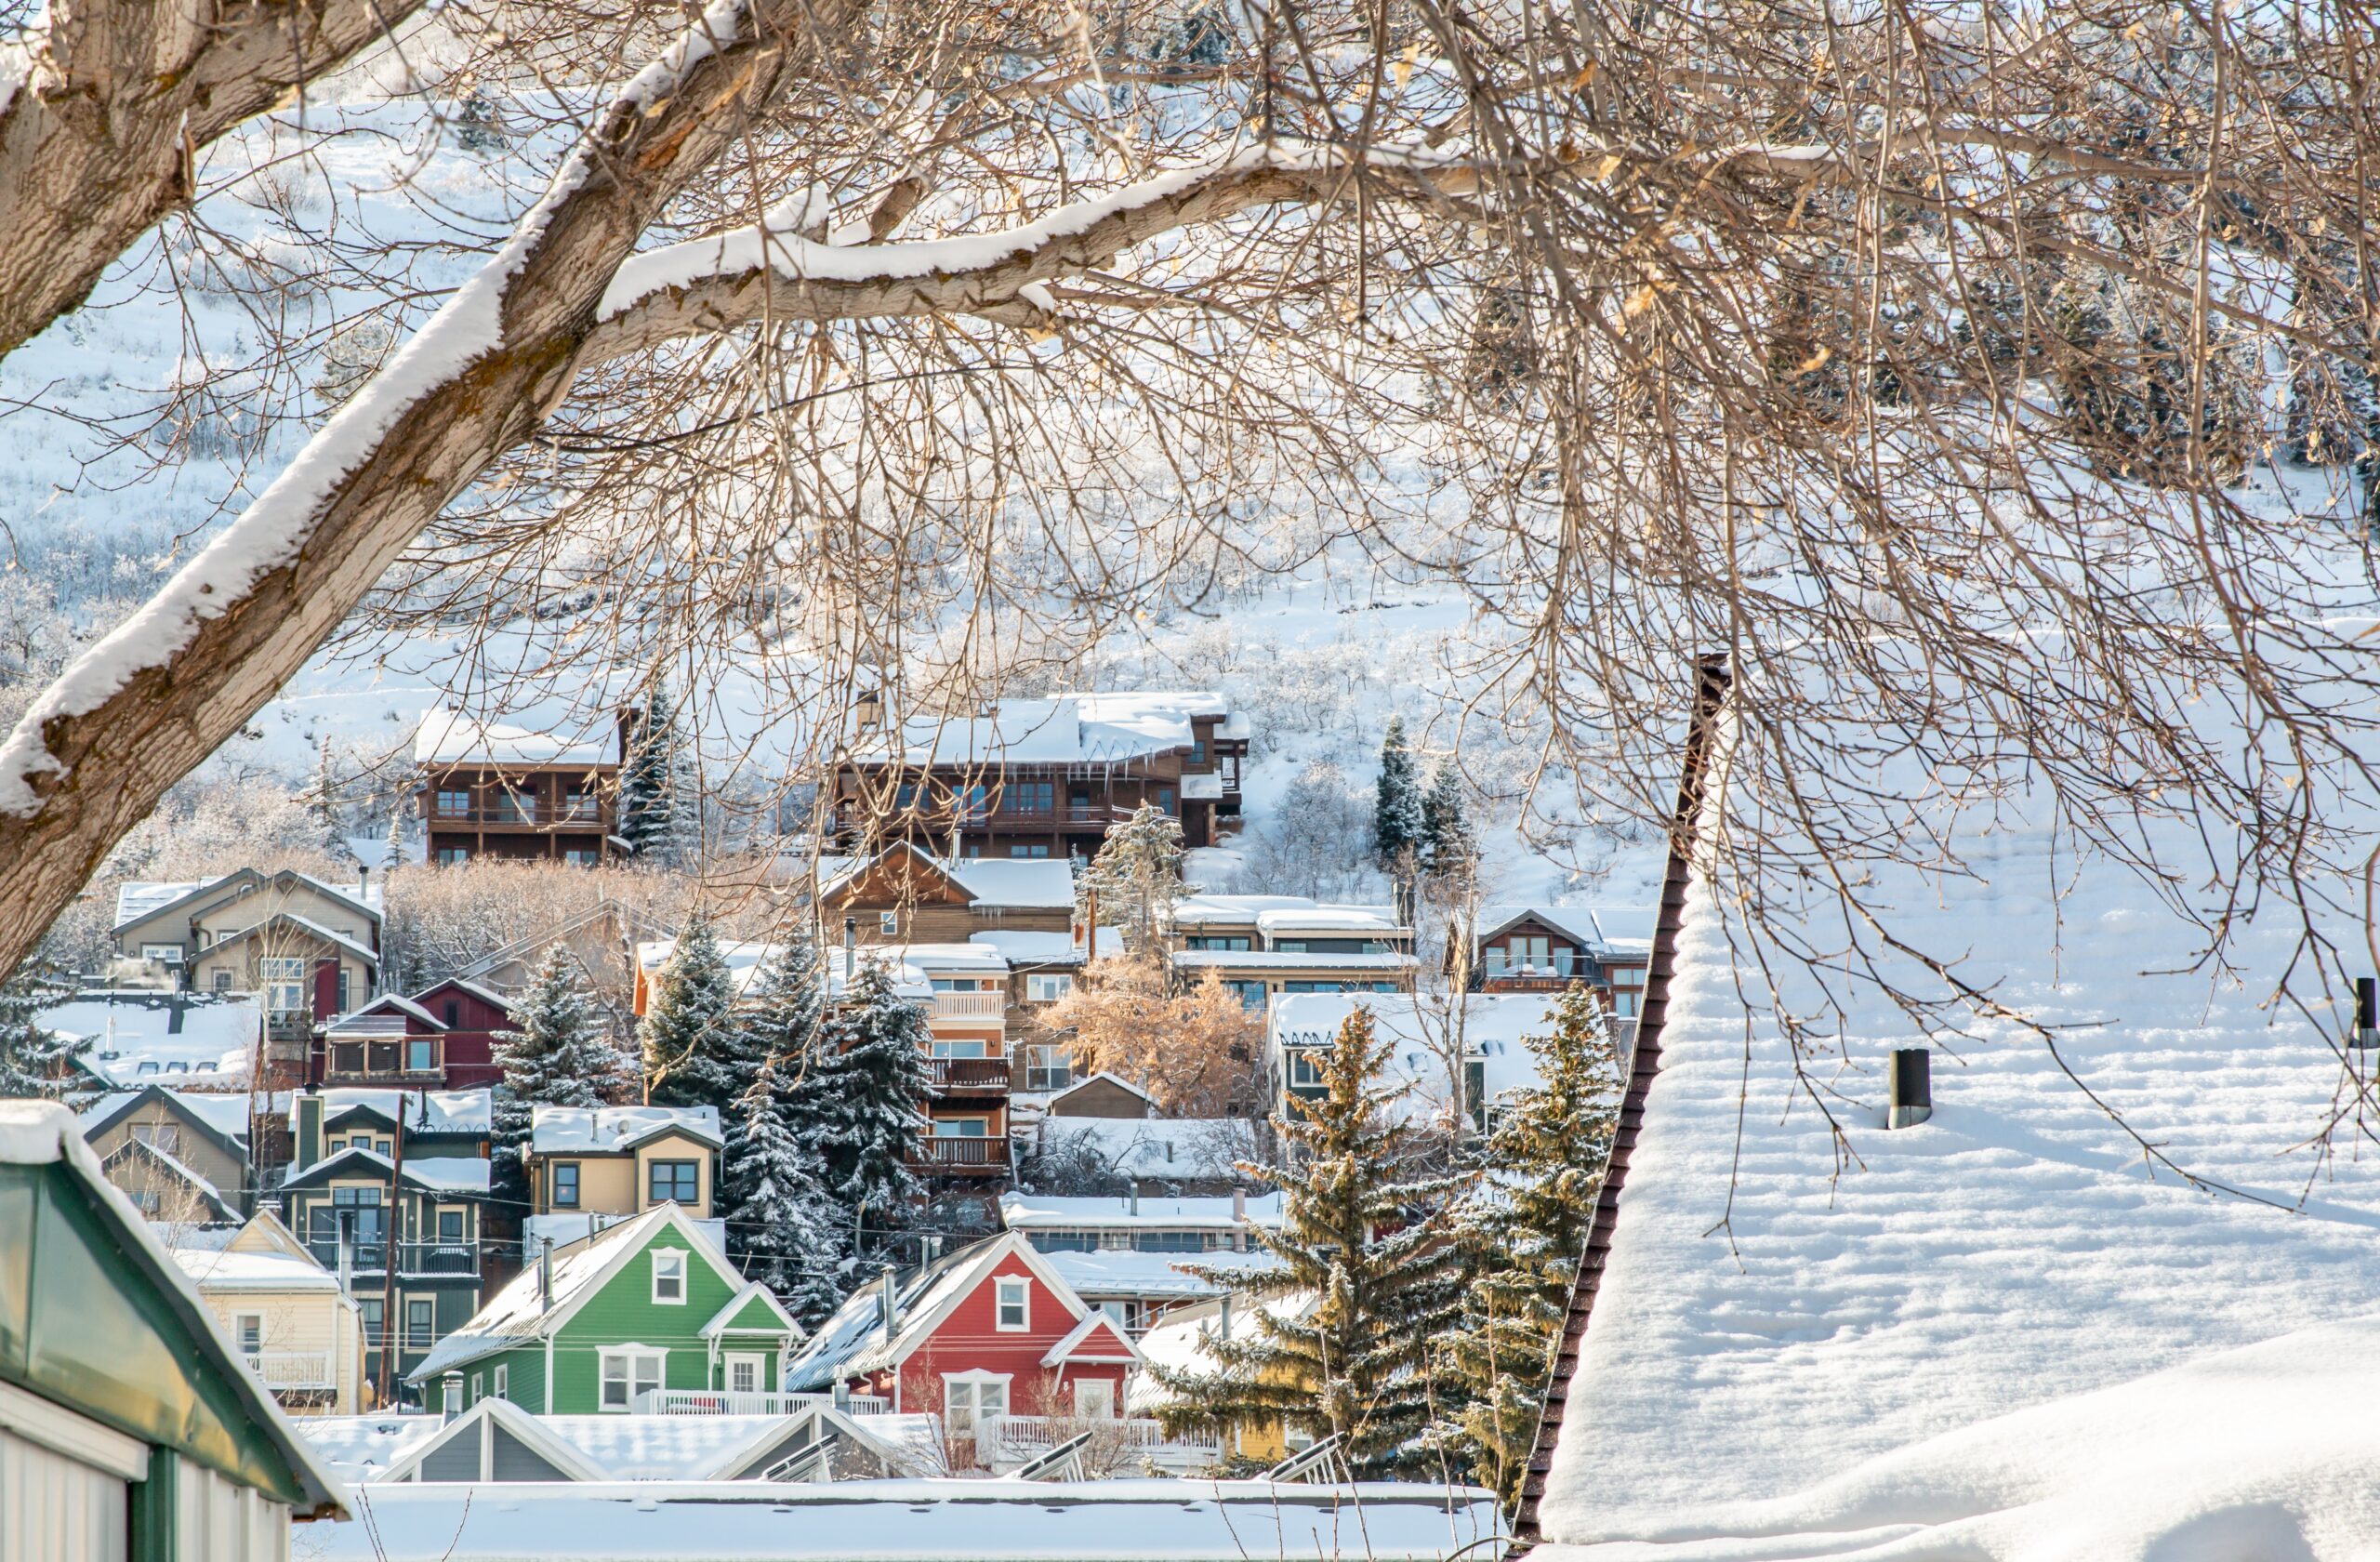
(1396, 807)
(321, 801)
(35, 1061)
(1137, 878)
(1365, 1264)
(1521, 1232)
(558, 1056)
(692, 1044)
(1449, 849)
(784, 1228)
(868, 1101)
(659, 812)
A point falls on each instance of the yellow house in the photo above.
(1182, 1343)
(590, 1167)
(285, 1315)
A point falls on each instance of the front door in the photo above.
(747, 1373)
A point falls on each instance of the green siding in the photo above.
(755, 1315)
(624, 1312)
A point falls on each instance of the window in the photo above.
(222, 981)
(479, 1388)
(972, 804)
(1033, 797)
(163, 954)
(583, 857)
(566, 1189)
(1229, 943)
(421, 1323)
(668, 1274)
(627, 1373)
(1231, 773)
(1012, 1310)
(285, 982)
(420, 1055)
(1251, 994)
(1165, 800)
(449, 856)
(960, 1128)
(342, 989)
(888, 924)
(958, 1048)
(1095, 1400)
(249, 1326)
(450, 1229)
(455, 803)
(747, 1373)
(1047, 1067)
(1305, 1067)
(1197, 750)
(453, 1012)
(1021, 850)
(374, 1313)
(336, 1145)
(380, 1144)
(1169, 1241)
(503, 1378)
(159, 1136)
(968, 1397)
(668, 1180)
(1047, 986)
(955, 983)
(579, 803)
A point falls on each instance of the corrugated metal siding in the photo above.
(223, 1522)
(56, 1509)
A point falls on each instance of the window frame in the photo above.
(659, 1273)
(975, 1381)
(629, 1356)
(1105, 1409)
(730, 1360)
(654, 1167)
(503, 1383)
(243, 1326)
(554, 1198)
(1048, 986)
(428, 1335)
(1022, 1300)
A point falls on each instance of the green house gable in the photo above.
(665, 1313)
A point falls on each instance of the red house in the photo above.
(472, 1018)
(444, 1038)
(989, 1330)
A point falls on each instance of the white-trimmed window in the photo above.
(625, 1373)
(163, 954)
(1047, 986)
(1012, 1304)
(285, 982)
(250, 1329)
(503, 1380)
(1095, 1399)
(479, 1387)
(967, 1396)
(747, 1373)
(888, 924)
(670, 1275)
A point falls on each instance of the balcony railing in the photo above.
(969, 1005)
(291, 1370)
(952, 1153)
(1006, 1441)
(412, 1258)
(969, 1074)
(702, 1401)
(587, 813)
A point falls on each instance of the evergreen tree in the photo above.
(867, 1098)
(35, 1061)
(1368, 1252)
(558, 1057)
(1397, 808)
(695, 1048)
(783, 1228)
(1525, 1229)
(1137, 879)
(1450, 850)
(659, 812)
(321, 801)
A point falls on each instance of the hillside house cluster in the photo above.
(490, 789)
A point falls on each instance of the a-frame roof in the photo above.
(471, 1427)
(218, 1209)
(851, 1344)
(752, 1310)
(1094, 1338)
(279, 920)
(117, 1107)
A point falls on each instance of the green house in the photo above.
(129, 1430)
(650, 1305)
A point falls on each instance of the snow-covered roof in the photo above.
(139, 1036)
(219, 1210)
(851, 1343)
(227, 1114)
(1094, 1337)
(1199, 909)
(1036, 1211)
(1200, 1149)
(968, 958)
(1583, 925)
(138, 900)
(1019, 948)
(1271, 960)
(361, 1449)
(1042, 883)
(1107, 1078)
(1492, 1028)
(564, 1228)
(614, 1130)
(902, 1520)
(1157, 1277)
(432, 1175)
(458, 1112)
(1371, 920)
(448, 737)
(1183, 1341)
(385, 1008)
(1070, 729)
(229, 1269)
(1803, 1310)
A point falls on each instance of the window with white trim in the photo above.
(1095, 1399)
(625, 1373)
(503, 1378)
(747, 1373)
(479, 1387)
(670, 1275)
(251, 1332)
(968, 1397)
(1012, 1304)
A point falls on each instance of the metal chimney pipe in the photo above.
(891, 1306)
(545, 1275)
(2367, 1013)
(1136, 1198)
(1225, 1322)
(1912, 1100)
(450, 1395)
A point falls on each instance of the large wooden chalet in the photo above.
(489, 790)
(1042, 777)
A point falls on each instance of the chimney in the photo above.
(2367, 1013)
(450, 1395)
(1225, 1325)
(545, 1275)
(347, 1251)
(1136, 1198)
(1912, 1100)
(1239, 1219)
(309, 1127)
(868, 709)
(363, 880)
(891, 1304)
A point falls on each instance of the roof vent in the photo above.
(2367, 1013)
(1913, 1088)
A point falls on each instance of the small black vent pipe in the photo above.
(1913, 1088)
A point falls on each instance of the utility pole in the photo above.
(391, 1238)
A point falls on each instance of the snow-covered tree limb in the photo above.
(107, 106)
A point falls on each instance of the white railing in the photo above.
(292, 1368)
(1003, 1442)
(708, 1401)
(969, 1005)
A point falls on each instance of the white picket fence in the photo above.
(705, 1401)
(1003, 1442)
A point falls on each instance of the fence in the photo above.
(1003, 1442)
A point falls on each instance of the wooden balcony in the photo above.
(969, 1076)
(954, 1156)
(989, 1006)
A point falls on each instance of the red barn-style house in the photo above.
(990, 1330)
(442, 1037)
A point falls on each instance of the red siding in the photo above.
(968, 1341)
(470, 1039)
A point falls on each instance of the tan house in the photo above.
(285, 1315)
(205, 1135)
(590, 1167)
